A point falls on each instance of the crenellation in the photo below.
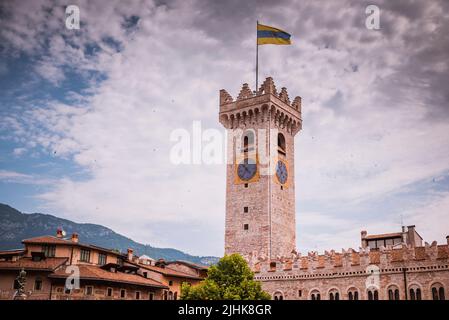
(245, 92)
(266, 106)
(225, 97)
(297, 103)
(283, 95)
(268, 87)
(331, 260)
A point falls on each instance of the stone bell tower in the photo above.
(260, 179)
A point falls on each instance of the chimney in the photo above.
(75, 237)
(363, 234)
(160, 263)
(59, 233)
(130, 254)
(411, 236)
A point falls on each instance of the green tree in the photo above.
(230, 279)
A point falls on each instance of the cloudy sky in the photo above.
(86, 115)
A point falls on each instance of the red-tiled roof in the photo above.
(88, 272)
(190, 264)
(384, 235)
(47, 240)
(55, 240)
(12, 252)
(48, 264)
(168, 271)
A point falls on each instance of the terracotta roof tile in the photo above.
(190, 264)
(168, 271)
(55, 240)
(48, 264)
(96, 273)
(12, 252)
(47, 239)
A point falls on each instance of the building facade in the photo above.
(65, 269)
(260, 217)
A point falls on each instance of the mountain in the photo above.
(16, 226)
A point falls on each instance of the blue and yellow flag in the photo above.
(270, 35)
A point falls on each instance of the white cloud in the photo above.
(21, 178)
(366, 133)
(19, 151)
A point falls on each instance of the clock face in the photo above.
(281, 172)
(246, 169)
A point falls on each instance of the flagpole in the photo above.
(257, 59)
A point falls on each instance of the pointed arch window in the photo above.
(281, 144)
(248, 141)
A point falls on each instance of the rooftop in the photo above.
(167, 271)
(61, 241)
(48, 264)
(88, 272)
(384, 235)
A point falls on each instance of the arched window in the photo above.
(373, 295)
(438, 292)
(278, 296)
(248, 141)
(38, 284)
(415, 292)
(281, 144)
(393, 293)
(353, 294)
(441, 293)
(315, 295)
(334, 294)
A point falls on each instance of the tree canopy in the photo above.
(230, 279)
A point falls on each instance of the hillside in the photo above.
(16, 226)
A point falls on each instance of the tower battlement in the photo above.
(250, 106)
